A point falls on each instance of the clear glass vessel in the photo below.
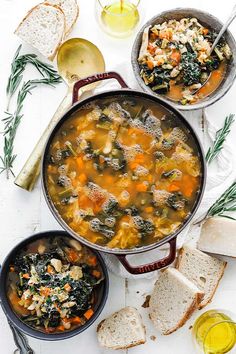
(118, 18)
(214, 332)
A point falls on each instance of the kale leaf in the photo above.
(191, 69)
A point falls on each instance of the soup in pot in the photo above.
(123, 173)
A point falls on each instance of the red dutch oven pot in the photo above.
(128, 93)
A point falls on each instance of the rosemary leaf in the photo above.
(18, 66)
(11, 121)
(225, 203)
(220, 138)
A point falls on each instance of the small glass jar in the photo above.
(214, 332)
(118, 18)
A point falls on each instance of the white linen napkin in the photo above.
(219, 179)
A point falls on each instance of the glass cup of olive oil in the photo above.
(214, 332)
(118, 18)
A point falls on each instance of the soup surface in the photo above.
(52, 284)
(123, 172)
(175, 60)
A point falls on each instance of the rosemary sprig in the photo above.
(11, 123)
(18, 66)
(220, 138)
(12, 120)
(226, 203)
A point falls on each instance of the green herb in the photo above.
(191, 69)
(221, 136)
(18, 66)
(226, 203)
(12, 120)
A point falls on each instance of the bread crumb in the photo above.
(153, 338)
(146, 302)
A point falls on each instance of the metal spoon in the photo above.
(20, 341)
(19, 337)
(216, 41)
(76, 58)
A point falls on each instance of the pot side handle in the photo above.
(150, 267)
(97, 77)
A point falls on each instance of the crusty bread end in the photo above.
(29, 39)
(202, 269)
(122, 330)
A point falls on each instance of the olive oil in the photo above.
(215, 332)
(120, 18)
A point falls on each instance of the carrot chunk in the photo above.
(67, 287)
(150, 64)
(141, 187)
(96, 274)
(88, 314)
(80, 162)
(76, 320)
(26, 276)
(82, 178)
(173, 188)
(72, 255)
(92, 261)
(148, 209)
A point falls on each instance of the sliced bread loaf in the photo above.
(203, 270)
(43, 28)
(173, 300)
(70, 9)
(123, 329)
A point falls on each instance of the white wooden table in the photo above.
(23, 213)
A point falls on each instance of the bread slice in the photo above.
(201, 269)
(218, 235)
(123, 329)
(43, 28)
(173, 301)
(70, 9)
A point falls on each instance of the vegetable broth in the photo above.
(53, 284)
(123, 173)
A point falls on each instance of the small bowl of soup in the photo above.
(52, 286)
(171, 58)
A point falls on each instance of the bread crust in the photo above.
(141, 341)
(224, 264)
(67, 31)
(194, 306)
(76, 17)
(51, 57)
(202, 305)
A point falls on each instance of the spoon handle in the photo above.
(224, 28)
(20, 341)
(28, 176)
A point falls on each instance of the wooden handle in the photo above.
(150, 267)
(28, 176)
